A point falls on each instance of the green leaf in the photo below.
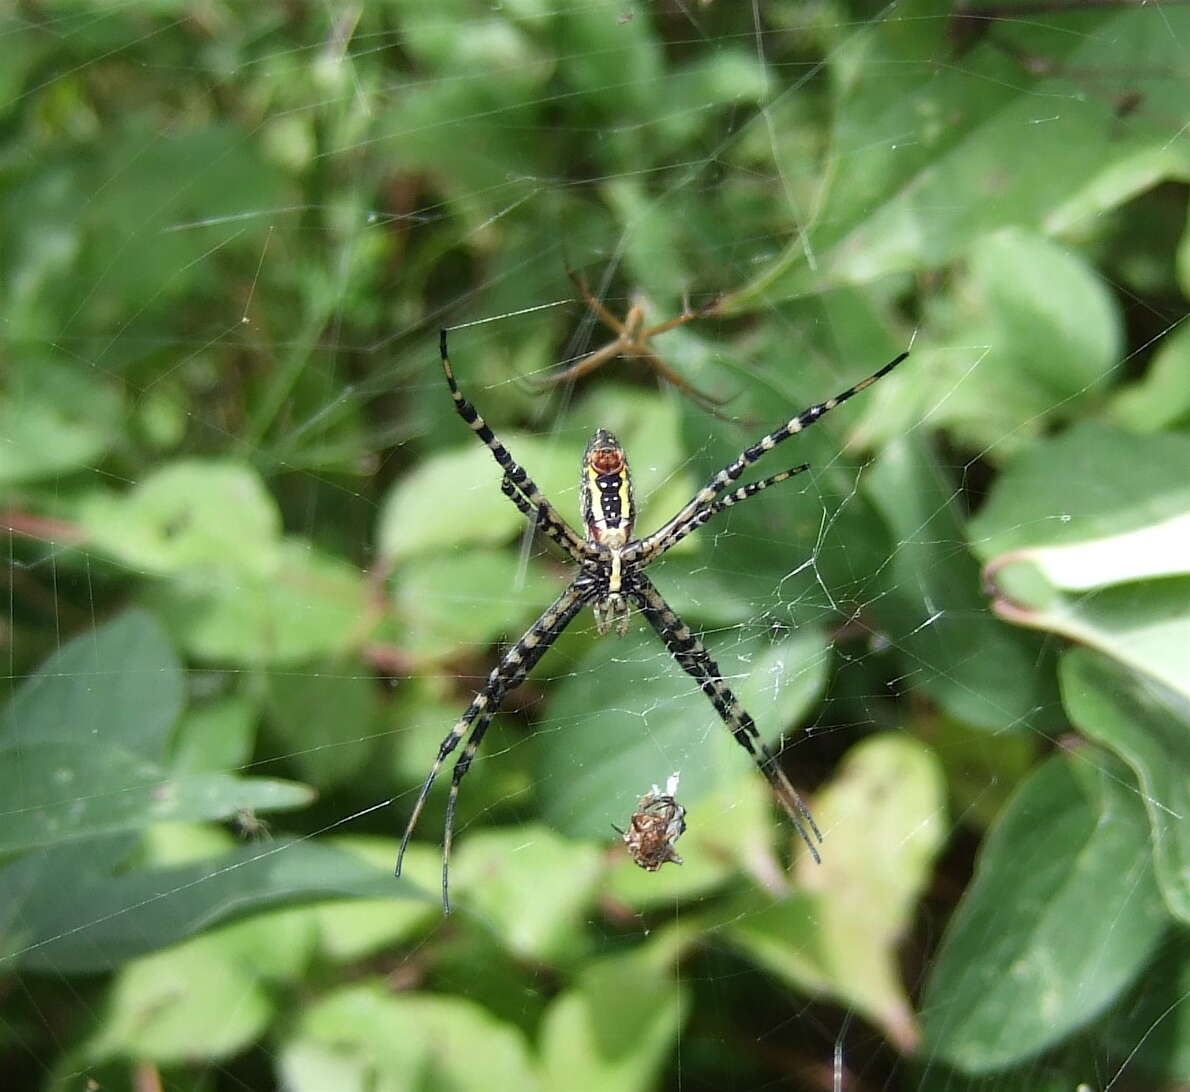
(114, 915)
(614, 1028)
(1148, 726)
(1100, 511)
(313, 604)
(933, 610)
(362, 1038)
(1144, 625)
(1161, 398)
(462, 600)
(1152, 1029)
(528, 884)
(197, 1000)
(1052, 334)
(627, 717)
(119, 685)
(218, 735)
(1036, 949)
(884, 822)
(982, 768)
(189, 515)
(1089, 483)
(349, 930)
(61, 792)
(611, 56)
(53, 419)
(326, 720)
(919, 168)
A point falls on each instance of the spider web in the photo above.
(257, 566)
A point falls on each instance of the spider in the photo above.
(655, 827)
(632, 340)
(611, 580)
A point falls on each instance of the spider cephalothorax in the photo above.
(611, 580)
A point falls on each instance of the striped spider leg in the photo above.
(510, 672)
(693, 658)
(611, 581)
(653, 546)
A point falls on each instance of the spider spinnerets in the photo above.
(611, 581)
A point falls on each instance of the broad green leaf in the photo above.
(113, 916)
(191, 515)
(614, 1028)
(933, 609)
(626, 717)
(1148, 726)
(352, 929)
(1092, 482)
(363, 1038)
(1104, 512)
(326, 717)
(438, 126)
(53, 419)
(452, 38)
(919, 168)
(609, 53)
(884, 821)
(1161, 398)
(313, 604)
(60, 792)
(195, 1001)
(528, 884)
(982, 768)
(1144, 625)
(1156, 550)
(120, 685)
(462, 600)
(1152, 1030)
(218, 735)
(1036, 949)
(1049, 333)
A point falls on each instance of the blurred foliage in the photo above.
(257, 565)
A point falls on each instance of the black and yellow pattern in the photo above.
(611, 580)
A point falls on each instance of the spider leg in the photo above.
(605, 316)
(731, 473)
(686, 316)
(513, 471)
(514, 665)
(707, 401)
(580, 367)
(540, 519)
(704, 514)
(694, 659)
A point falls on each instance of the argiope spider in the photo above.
(632, 340)
(611, 580)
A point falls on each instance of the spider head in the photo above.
(608, 509)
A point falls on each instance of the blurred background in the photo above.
(257, 566)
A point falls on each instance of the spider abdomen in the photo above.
(606, 487)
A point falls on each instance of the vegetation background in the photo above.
(256, 566)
